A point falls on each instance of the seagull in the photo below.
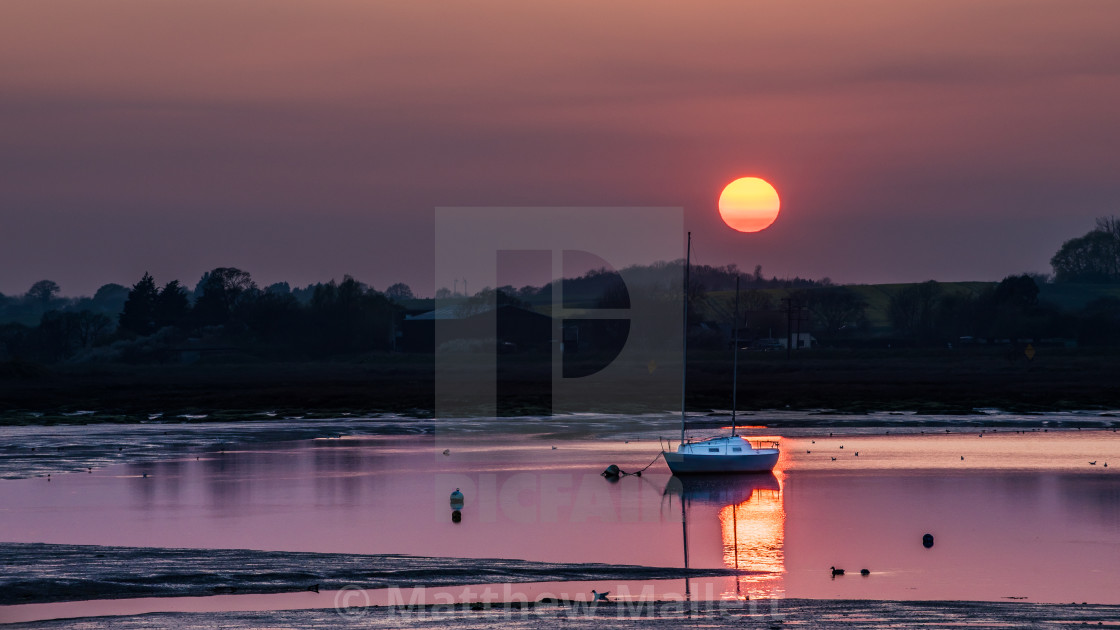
(600, 597)
(836, 571)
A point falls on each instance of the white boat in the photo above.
(728, 454)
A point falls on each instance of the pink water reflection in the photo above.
(1019, 517)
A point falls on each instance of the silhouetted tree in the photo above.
(399, 291)
(218, 294)
(1094, 257)
(138, 315)
(109, 299)
(42, 292)
(171, 307)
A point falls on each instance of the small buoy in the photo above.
(927, 541)
(864, 572)
(456, 500)
(611, 471)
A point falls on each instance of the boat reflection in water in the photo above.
(751, 534)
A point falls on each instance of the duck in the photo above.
(836, 571)
(446, 451)
(1093, 463)
(864, 572)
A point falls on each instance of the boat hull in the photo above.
(691, 463)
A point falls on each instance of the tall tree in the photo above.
(138, 315)
(171, 307)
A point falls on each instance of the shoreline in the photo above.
(930, 382)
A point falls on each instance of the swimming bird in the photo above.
(841, 446)
(836, 571)
(864, 572)
(1093, 463)
(808, 451)
(600, 597)
(833, 459)
(857, 453)
(313, 588)
(554, 448)
(446, 451)
(1106, 464)
(962, 458)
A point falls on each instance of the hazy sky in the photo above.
(302, 141)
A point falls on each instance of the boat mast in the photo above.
(684, 337)
(735, 361)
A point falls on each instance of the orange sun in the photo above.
(749, 204)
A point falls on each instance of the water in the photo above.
(1023, 515)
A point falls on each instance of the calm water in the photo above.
(1023, 515)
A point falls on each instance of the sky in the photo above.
(305, 140)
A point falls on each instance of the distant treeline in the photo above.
(226, 313)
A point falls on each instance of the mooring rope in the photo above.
(615, 471)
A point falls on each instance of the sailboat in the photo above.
(726, 454)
